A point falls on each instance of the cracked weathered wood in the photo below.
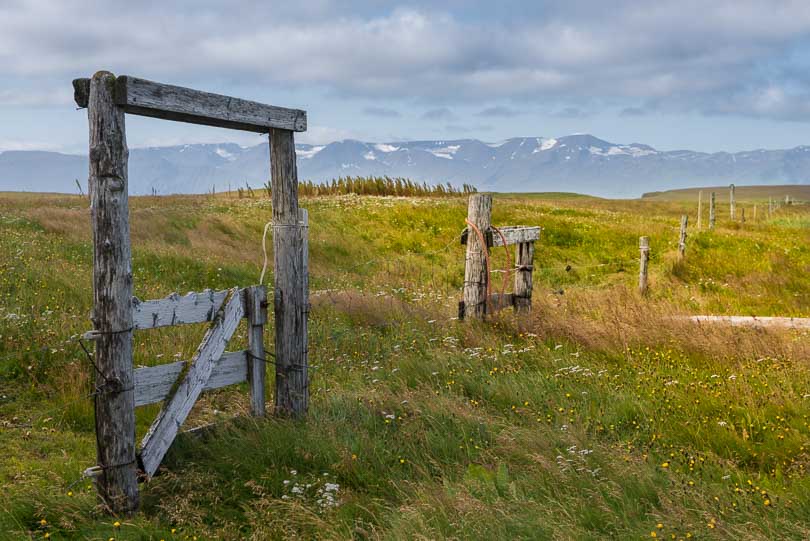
(514, 234)
(176, 310)
(112, 293)
(165, 427)
(644, 261)
(479, 213)
(147, 98)
(154, 383)
(256, 312)
(292, 392)
(524, 261)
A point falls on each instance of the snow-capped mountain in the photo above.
(575, 163)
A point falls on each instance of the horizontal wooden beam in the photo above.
(147, 98)
(513, 234)
(154, 383)
(176, 310)
(751, 321)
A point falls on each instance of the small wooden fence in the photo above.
(117, 314)
(478, 299)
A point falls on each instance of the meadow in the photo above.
(599, 416)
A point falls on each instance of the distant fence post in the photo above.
(742, 215)
(644, 246)
(292, 393)
(524, 259)
(700, 209)
(476, 277)
(682, 238)
(755, 213)
(732, 203)
(112, 299)
(712, 210)
(256, 304)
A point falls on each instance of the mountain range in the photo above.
(575, 163)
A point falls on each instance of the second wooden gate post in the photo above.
(256, 303)
(292, 394)
(112, 299)
(644, 261)
(524, 259)
(479, 213)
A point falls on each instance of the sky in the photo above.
(720, 75)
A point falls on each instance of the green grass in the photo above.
(544, 427)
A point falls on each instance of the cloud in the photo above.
(381, 112)
(632, 111)
(457, 128)
(441, 113)
(734, 59)
(498, 111)
(570, 112)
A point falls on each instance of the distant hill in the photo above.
(741, 193)
(575, 163)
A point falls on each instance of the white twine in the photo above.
(264, 251)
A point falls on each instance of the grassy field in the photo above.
(600, 416)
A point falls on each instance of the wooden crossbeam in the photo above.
(513, 234)
(154, 383)
(176, 310)
(165, 427)
(148, 98)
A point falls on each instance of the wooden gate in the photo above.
(117, 314)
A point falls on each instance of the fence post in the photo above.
(479, 213)
(712, 210)
(524, 260)
(644, 246)
(256, 304)
(292, 393)
(742, 215)
(700, 209)
(732, 203)
(755, 213)
(112, 299)
(682, 238)
(303, 222)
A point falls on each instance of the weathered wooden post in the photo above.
(787, 199)
(742, 215)
(755, 213)
(524, 261)
(732, 203)
(644, 246)
(682, 238)
(479, 213)
(112, 299)
(256, 304)
(712, 210)
(292, 393)
(700, 210)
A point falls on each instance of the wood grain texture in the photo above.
(514, 234)
(292, 383)
(147, 98)
(479, 212)
(524, 260)
(256, 311)
(176, 310)
(154, 383)
(644, 262)
(165, 427)
(682, 236)
(112, 293)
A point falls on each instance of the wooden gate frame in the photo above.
(476, 303)
(117, 314)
